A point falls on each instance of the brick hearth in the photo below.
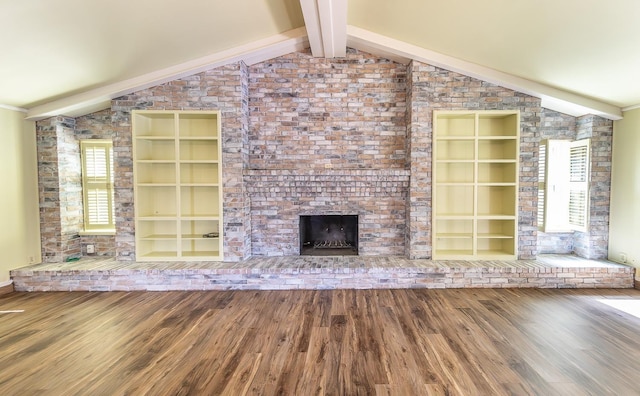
(337, 272)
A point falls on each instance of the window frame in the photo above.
(555, 188)
(93, 226)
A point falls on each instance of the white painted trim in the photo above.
(636, 106)
(312, 24)
(561, 100)
(99, 98)
(326, 24)
(12, 108)
(6, 283)
(333, 23)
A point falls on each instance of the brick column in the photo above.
(60, 188)
(594, 243)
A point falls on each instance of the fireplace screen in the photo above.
(330, 235)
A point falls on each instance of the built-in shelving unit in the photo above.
(475, 189)
(177, 185)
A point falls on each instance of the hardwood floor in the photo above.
(339, 342)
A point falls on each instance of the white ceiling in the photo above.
(69, 56)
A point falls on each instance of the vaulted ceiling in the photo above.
(71, 56)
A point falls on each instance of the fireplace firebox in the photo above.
(329, 235)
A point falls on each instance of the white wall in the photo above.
(19, 211)
(624, 222)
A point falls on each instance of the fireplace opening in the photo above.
(329, 235)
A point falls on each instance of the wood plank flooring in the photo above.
(320, 342)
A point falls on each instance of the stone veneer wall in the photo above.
(593, 244)
(223, 89)
(60, 188)
(433, 88)
(346, 113)
(327, 136)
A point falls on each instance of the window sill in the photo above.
(97, 232)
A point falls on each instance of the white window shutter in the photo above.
(97, 184)
(579, 185)
(542, 185)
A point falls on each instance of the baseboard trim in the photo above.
(6, 289)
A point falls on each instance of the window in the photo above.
(579, 185)
(563, 186)
(97, 185)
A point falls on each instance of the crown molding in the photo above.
(12, 108)
(628, 108)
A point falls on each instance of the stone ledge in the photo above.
(321, 278)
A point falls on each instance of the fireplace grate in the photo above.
(332, 245)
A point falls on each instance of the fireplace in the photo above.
(329, 235)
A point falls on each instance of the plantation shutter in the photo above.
(97, 184)
(579, 185)
(542, 185)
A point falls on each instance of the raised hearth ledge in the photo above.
(308, 272)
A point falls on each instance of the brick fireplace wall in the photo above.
(327, 136)
(280, 197)
(307, 136)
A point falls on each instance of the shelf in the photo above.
(212, 253)
(198, 125)
(196, 236)
(498, 149)
(503, 172)
(198, 173)
(154, 137)
(153, 124)
(157, 217)
(457, 172)
(495, 236)
(498, 124)
(454, 236)
(155, 150)
(496, 200)
(173, 184)
(199, 150)
(195, 138)
(475, 189)
(455, 125)
(177, 190)
(160, 255)
(455, 149)
(158, 236)
(454, 200)
(452, 254)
